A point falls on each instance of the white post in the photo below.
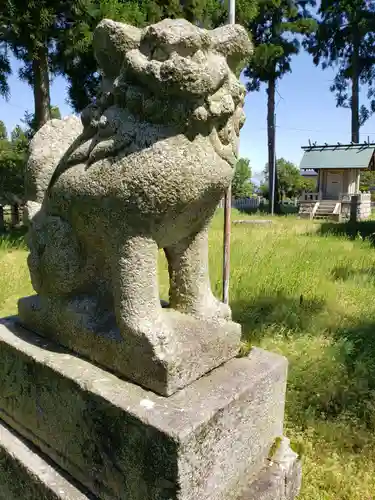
(232, 12)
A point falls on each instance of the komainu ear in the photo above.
(111, 42)
(232, 41)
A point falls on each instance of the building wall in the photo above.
(349, 181)
(352, 185)
(333, 190)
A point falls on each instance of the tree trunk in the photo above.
(41, 88)
(271, 132)
(355, 88)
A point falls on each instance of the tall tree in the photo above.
(345, 38)
(31, 30)
(275, 32)
(5, 69)
(74, 56)
(36, 30)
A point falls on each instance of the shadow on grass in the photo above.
(359, 358)
(13, 238)
(287, 313)
(345, 273)
(351, 230)
(263, 209)
(328, 380)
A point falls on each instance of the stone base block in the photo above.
(123, 442)
(26, 475)
(191, 348)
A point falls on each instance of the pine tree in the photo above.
(345, 38)
(35, 32)
(5, 69)
(274, 31)
(29, 29)
(74, 58)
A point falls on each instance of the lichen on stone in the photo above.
(275, 446)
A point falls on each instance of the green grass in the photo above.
(307, 291)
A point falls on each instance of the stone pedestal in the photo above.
(196, 347)
(209, 441)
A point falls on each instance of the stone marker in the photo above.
(145, 170)
(252, 221)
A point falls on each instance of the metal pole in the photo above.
(227, 199)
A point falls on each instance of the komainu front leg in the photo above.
(190, 290)
(136, 291)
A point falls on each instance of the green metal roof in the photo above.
(340, 156)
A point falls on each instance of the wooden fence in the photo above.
(255, 202)
(244, 203)
(11, 215)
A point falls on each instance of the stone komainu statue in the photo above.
(144, 169)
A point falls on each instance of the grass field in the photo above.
(307, 291)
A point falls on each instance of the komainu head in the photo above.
(172, 73)
(174, 76)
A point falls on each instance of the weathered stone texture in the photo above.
(26, 475)
(45, 151)
(146, 171)
(121, 441)
(196, 345)
(363, 206)
(279, 480)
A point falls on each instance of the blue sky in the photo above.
(305, 110)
